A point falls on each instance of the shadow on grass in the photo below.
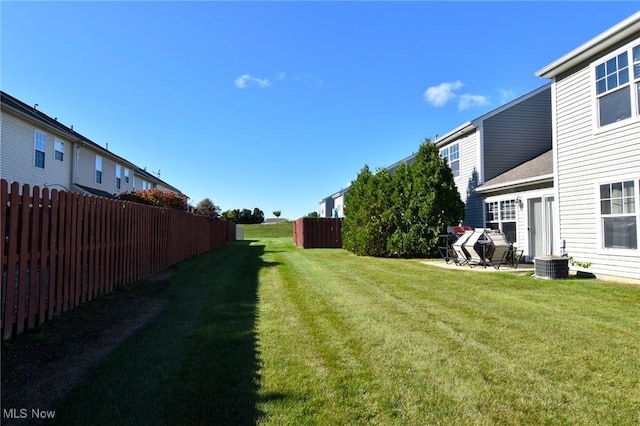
(197, 363)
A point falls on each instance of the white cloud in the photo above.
(468, 100)
(308, 78)
(245, 80)
(506, 95)
(443, 93)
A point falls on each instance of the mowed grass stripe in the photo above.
(453, 328)
(380, 349)
(335, 356)
(262, 332)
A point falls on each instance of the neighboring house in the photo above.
(326, 207)
(596, 149)
(38, 150)
(520, 203)
(338, 203)
(494, 143)
(333, 206)
(485, 148)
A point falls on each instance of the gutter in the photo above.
(515, 184)
(581, 54)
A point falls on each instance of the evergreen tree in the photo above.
(401, 214)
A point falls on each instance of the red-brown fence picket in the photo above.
(317, 232)
(60, 249)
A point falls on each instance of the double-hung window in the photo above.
(118, 176)
(619, 214)
(617, 86)
(451, 156)
(126, 175)
(98, 169)
(58, 149)
(501, 215)
(39, 148)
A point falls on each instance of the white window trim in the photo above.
(118, 177)
(635, 114)
(448, 159)
(126, 176)
(55, 148)
(35, 148)
(517, 211)
(601, 249)
(98, 169)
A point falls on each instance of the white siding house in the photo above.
(326, 207)
(36, 149)
(338, 203)
(520, 203)
(596, 146)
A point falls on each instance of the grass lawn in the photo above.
(262, 332)
(276, 230)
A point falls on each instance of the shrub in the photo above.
(156, 197)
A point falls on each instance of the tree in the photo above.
(207, 208)
(365, 229)
(257, 216)
(312, 214)
(430, 200)
(231, 215)
(277, 213)
(401, 214)
(244, 216)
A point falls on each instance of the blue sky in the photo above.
(276, 105)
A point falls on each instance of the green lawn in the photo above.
(276, 230)
(263, 332)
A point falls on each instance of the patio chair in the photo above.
(461, 254)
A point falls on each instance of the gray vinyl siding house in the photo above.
(596, 148)
(38, 150)
(494, 143)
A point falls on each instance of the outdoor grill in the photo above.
(482, 246)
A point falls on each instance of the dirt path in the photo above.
(41, 367)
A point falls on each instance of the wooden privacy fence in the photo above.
(60, 249)
(317, 232)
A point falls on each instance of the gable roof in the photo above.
(536, 170)
(593, 47)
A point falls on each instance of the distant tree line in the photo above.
(401, 214)
(244, 216)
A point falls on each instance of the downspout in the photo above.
(74, 152)
(74, 164)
